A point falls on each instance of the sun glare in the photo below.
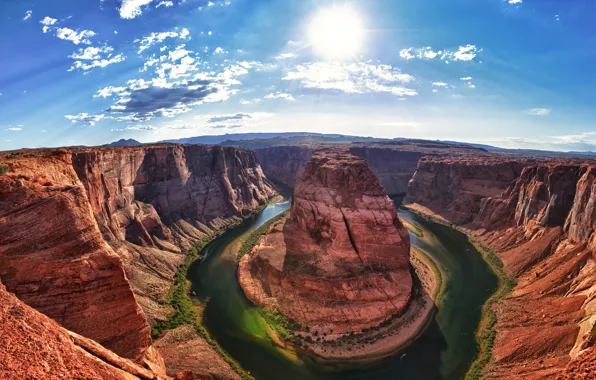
(336, 32)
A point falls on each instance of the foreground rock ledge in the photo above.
(339, 263)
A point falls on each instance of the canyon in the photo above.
(92, 239)
(339, 263)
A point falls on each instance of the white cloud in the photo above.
(538, 111)
(463, 53)
(74, 36)
(280, 95)
(354, 78)
(14, 129)
(466, 78)
(219, 50)
(47, 22)
(247, 102)
(155, 38)
(440, 84)
(435, 90)
(86, 66)
(135, 128)
(85, 118)
(286, 56)
(132, 8)
(165, 4)
(27, 15)
(91, 52)
(515, 1)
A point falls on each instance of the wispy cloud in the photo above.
(135, 128)
(90, 57)
(158, 37)
(280, 95)
(354, 78)
(76, 37)
(220, 118)
(515, 1)
(14, 129)
(27, 15)
(463, 53)
(440, 84)
(85, 118)
(538, 111)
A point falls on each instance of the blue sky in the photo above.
(513, 73)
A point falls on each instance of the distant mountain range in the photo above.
(264, 140)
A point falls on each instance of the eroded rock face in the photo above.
(53, 257)
(153, 202)
(340, 260)
(33, 346)
(79, 224)
(541, 226)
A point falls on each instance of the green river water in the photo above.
(444, 351)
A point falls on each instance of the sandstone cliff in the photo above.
(80, 226)
(539, 218)
(339, 262)
(32, 346)
(393, 163)
(53, 257)
(153, 202)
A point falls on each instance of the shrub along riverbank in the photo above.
(486, 333)
(179, 297)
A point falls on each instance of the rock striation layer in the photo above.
(539, 216)
(340, 261)
(89, 234)
(32, 346)
(153, 202)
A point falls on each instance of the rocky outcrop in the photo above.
(541, 225)
(33, 346)
(80, 226)
(339, 263)
(393, 163)
(455, 187)
(53, 256)
(183, 349)
(153, 202)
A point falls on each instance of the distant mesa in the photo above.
(125, 142)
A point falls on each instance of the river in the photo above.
(444, 351)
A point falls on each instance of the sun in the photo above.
(336, 32)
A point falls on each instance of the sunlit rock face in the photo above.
(340, 260)
(539, 216)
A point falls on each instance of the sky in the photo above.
(511, 73)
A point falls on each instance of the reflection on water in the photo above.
(444, 351)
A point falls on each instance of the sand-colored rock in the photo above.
(184, 350)
(541, 224)
(340, 260)
(32, 346)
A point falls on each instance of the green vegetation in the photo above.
(430, 263)
(179, 297)
(254, 237)
(412, 228)
(3, 169)
(282, 325)
(486, 332)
